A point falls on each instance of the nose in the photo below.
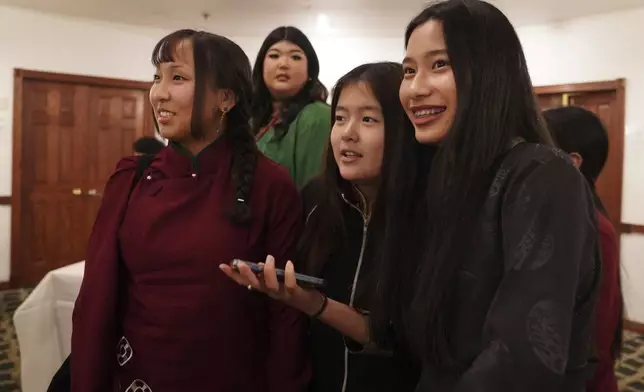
(421, 86)
(350, 131)
(159, 92)
(282, 62)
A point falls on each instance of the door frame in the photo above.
(19, 78)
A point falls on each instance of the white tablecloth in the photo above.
(44, 326)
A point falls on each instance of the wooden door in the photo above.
(71, 136)
(607, 103)
(117, 117)
(55, 120)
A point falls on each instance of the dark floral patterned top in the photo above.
(526, 293)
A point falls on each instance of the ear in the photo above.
(577, 160)
(227, 100)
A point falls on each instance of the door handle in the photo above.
(77, 192)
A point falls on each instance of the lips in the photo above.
(426, 114)
(349, 156)
(164, 116)
(283, 78)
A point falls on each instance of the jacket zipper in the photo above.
(365, 219)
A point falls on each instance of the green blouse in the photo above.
(302, 148)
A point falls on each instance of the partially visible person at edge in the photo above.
(497, 261)
(147, 145)
(341, 236)
(581, 134)
(291, 120)
(154, 312)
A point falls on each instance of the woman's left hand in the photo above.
(289, 292)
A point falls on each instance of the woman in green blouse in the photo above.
(291, 120)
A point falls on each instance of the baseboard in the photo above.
(634, 326)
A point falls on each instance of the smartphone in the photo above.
(302, 280)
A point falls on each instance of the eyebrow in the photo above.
(368, 107)
(290, 51)
(427, 54)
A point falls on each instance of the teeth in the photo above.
(428, 112)
(350, 154)
(164, 113)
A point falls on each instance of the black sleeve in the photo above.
(549, 238)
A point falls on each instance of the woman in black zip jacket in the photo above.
(341, 237)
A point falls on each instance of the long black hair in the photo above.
(313, 90)
(495, 105)
(577, 130)
(221, 64)
(324, 232)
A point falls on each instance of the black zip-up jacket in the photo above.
(338, 364)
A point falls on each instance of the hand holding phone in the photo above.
(304, 281)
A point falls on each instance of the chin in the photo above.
(429, 136)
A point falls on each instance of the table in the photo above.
(44, 326)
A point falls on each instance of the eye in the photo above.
(339, 118)
(156, 78)
(273, 55)
(296, 57)
(178, 77)
(440, 64)
(408, 71)
(368, 119)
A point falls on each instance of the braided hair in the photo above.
(220, 64)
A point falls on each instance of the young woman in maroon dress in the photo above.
(581, 134)
(154, 312)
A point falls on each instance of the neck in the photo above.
(367, 194)
(195, 146)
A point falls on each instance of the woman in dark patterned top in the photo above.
(497, 271)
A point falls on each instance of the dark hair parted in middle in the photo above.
(220, 64)
(495, 105)
(313, 90)
(325, 232)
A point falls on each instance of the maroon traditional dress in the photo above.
(156, 314)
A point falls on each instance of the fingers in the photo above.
(249, 276)
(290, 282)
(270, 277)
(234, 275)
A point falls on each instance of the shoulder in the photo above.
(606, 230)
(311, 195)
(271, 177)
(529, 162)
(315, 111)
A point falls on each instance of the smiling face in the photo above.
(285, 69)
(358, 135)
(172, 98)
(428, 90)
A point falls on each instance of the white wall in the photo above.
(587, 49)
(598, 48)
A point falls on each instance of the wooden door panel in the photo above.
(117, 120)
(55, 120)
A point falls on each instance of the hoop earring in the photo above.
(221, 120)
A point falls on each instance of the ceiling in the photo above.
(256, 17)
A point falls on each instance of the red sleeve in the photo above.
(94, 319)
(288, 367)
(607, 308)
